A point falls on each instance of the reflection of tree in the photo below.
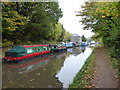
(58, 62)
(76, 51)
(83, 38)
(83, 49)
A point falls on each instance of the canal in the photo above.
(56, 70)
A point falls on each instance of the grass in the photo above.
(115, 62)
(116, 65)
(85, 75)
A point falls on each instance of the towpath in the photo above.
(104, 73)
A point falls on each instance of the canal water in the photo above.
(56, 70)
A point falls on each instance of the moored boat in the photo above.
(58, 48)
(76, 45)
(68, 45)
(25, 51)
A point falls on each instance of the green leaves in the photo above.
(31, 21)
(103, 19)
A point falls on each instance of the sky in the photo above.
(69, 20)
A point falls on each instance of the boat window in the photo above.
(29, 51)
(38, 49)
(55, 46)
(45, 48)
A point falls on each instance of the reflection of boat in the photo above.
(75, 51)
(70, 50)
(29, 66)
(83, 48)
(92, 45)
(84, 44)
(25, 51)
(59, 55)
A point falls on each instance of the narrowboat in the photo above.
(76, 45)
(68, 45)
(55, 48)
(25, 51)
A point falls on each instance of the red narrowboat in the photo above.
(25, 51)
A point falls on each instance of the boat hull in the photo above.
(57, 50)
(25, 57)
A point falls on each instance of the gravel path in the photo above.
(104, 73)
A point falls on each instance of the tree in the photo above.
(43, 20)
(83, 38)
(103, 19)
(29, 21)
(12, 22)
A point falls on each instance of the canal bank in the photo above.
(97, 72)
(85, 75)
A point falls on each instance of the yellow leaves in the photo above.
(13, 20)
(31, 80)
(107, 8)
(10, 28)
(4, 14)
(6, 2)
(15, 13)
(103, 16)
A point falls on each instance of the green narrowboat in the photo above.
(55, 48)
(25, 51)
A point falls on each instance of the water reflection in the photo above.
(70, 50)
(56, 70)
(83, 48)
(71, 67)
(28, 66)
(76, 51)
(37, 72)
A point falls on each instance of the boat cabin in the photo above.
(25, 51)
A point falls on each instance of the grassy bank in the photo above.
(84, 76)
(115, 62)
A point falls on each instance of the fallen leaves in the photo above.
(31, 80)
(38, 74)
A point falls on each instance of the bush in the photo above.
(7, 43)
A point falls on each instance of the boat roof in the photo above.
(27, 46)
